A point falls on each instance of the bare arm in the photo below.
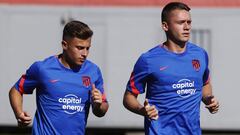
(207, 90)
(208, 99)
(99, 107)
(131, 103)
(16, 100)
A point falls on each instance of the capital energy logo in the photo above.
(71, 104)
(184, 88)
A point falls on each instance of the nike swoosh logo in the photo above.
(53, 81)
(163, 68)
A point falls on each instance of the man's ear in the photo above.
(165, 26)
(64, 44)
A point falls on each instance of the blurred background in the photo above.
(123, 29)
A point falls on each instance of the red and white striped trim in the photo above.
(21, 83)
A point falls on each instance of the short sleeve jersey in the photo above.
(173, 84)
(62, 95)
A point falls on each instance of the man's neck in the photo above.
(174, 47)
(66, 63)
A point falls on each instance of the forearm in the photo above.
(16, 100)
(206, 91)
(131, 103)
(100, 110)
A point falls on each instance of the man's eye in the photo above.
(80, 48)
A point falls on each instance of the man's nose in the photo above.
(84, 52)
(187, 26)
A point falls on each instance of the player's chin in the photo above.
(184, 37)
(184, 40)
(79, 63)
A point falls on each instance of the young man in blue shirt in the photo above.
(176, 77)
(66, 85)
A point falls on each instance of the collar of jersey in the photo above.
(173, 53)
(68, 69)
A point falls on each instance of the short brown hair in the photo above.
(76, 29)
(172, 6)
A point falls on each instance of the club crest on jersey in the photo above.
(196, 64)
(86, 80)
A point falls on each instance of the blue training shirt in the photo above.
(174, 85)
(62, 95)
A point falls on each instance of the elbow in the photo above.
(102, 110)
(100, 114)
(124, 102)
(126, 99)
